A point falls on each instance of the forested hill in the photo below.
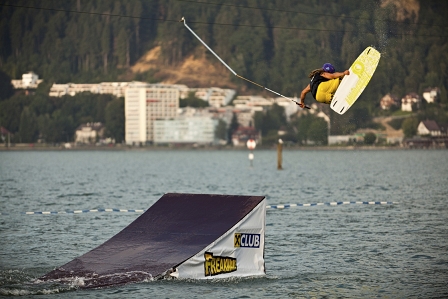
(273, 42)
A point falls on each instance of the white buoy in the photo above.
(251, 144)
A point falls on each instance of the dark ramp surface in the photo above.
(171, 231)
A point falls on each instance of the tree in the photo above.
(6, 88)
(369, 138)
(122, 48)
(61, 128)
(409, 126)
(100, 108)
(361, 116)
(105, 46)
(192, 101)
(28, 130)
(272, 119)
(65, 47)
(43, 124)
(276, 117)
(115, 120)
(318, 130)
(74, 46)
(221, 130)
(301, 126)
(232, 128)
(342, 124)
(41, 104)
(11, 110)
(258, 120)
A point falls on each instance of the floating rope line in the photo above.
(284, 206)
(78, 211)
(334, 203)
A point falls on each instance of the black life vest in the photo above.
(314, 84)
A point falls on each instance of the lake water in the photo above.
(347, 251)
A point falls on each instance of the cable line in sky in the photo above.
(307, 13)
(208, 23)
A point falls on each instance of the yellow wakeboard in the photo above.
(354, 84)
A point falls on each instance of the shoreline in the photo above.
(32, 147)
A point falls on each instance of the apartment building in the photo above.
(190, 129)
(114, 88)
(29, 80)
(216, 97)
(246, 106)
(144, 103)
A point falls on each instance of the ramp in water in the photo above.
(181, 235)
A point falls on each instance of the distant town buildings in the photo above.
(152, 113)
(429, 128)
(345, 139)
(153, 116)
(389, 101)
(223, 113)
(89, 133)
(117, 89)
(410, 101)
(245, 116)
(114, 88)
(192, 130)
(5, 136)
(243, 134)
(431, 94)
(258, 103)
(144, 103)
(29, 80)
(253, 104)
(430, 134)
(214, 96)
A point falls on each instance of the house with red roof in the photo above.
(242, 134)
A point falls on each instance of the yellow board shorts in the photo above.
(326, 90)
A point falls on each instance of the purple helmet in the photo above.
(328, 68)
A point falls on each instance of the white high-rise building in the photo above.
(145, 103)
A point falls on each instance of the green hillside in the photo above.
(275, 42)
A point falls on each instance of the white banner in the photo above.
(237, 253)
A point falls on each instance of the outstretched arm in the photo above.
(335, 75)
(302, 96)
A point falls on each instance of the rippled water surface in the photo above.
(349, 251)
